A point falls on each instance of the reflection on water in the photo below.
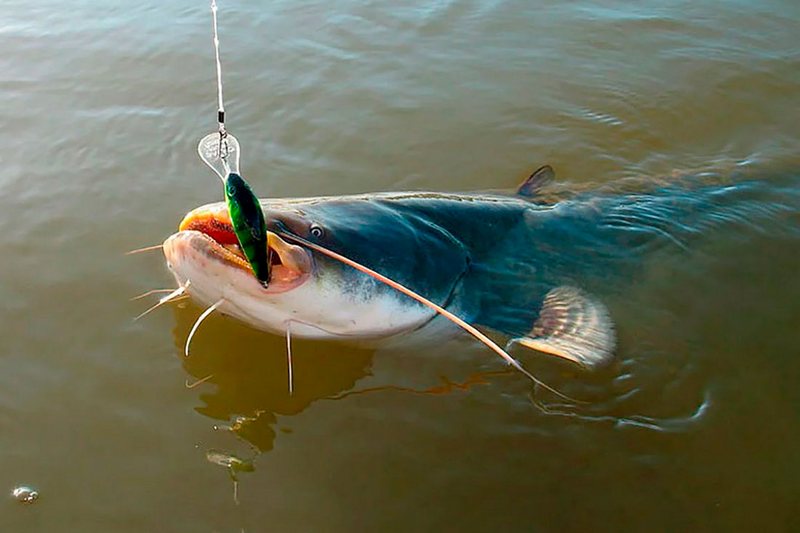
(248, 387)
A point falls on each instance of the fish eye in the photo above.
(316, 231)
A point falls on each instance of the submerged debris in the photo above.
(233, 463)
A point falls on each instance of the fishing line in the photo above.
(220, 106)
(442, 311)
(215, 149)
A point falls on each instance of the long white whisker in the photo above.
(198, 382)
(197, 323)
(159, 304)
(171, 297)
(437, 308)
(145, 249)
(151, 292)
(289, 356)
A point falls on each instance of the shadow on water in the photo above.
(242, 380)
(248, 383)
(241, 374)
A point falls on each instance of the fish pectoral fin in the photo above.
(572, 325)
(536, 181)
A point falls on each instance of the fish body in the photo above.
(510, 264)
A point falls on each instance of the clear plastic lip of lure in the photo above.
(221, 153)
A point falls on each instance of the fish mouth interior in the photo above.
(290, 265)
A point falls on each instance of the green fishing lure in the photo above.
(221, 152)
(249, 225)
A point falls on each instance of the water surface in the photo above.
(103, 104)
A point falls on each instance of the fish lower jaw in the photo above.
(311, 314)
(315, 314)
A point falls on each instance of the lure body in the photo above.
(249, 225)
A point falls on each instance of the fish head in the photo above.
(315, 295)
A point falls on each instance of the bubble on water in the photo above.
(25, 494)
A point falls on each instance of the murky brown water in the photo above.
(103, 104)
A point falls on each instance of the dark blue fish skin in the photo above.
(491, 259)
(410, 249)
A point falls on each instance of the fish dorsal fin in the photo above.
(572, 325)
(536, 181)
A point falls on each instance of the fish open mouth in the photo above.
(290, 265)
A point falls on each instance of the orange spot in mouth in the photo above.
(289, 262)
(214, 223)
